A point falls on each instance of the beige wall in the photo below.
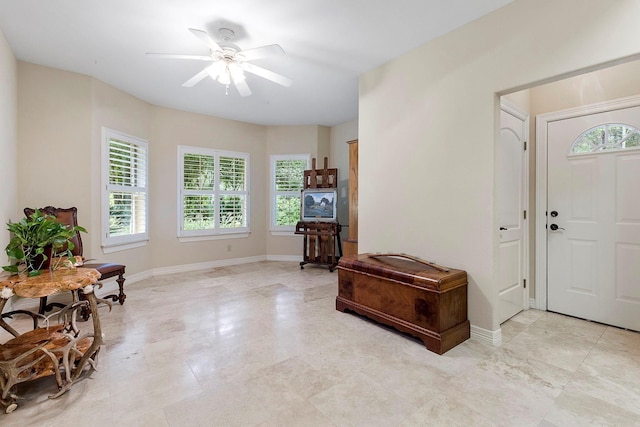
(313, 140)
(8, 141)
(61, 115)
(54, 131)
(520, 99)
(320, 142)
(614, 82)
(433, 159)
(60, 120)
(171, 128)
(117, 110)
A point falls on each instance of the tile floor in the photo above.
(262, 345)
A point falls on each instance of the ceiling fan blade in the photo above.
(242, 86)
(179, 56)
(202, 35)
(261, 52)
(267, 74)
(196, 79)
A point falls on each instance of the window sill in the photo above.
(122, 247)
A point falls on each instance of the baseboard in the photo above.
(490, 337)
(205, 265)
(292, 258)
(532, 303)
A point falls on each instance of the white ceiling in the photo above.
(329, 43)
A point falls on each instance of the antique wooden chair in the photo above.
(107, 270)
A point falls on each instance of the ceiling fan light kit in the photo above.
(230, 62)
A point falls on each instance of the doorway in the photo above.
(588, 228)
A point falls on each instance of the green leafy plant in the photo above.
(36, 239)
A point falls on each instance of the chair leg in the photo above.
(121, 295)
(43, 305)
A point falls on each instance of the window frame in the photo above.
(606, 147)
(216, 232)
(117, 243)
(273, 227)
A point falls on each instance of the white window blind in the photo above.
(213, 188)
(287, 181)
(198, 199)
(233, 192)
(125, 199)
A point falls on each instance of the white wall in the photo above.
(428, 124)
(8, 142)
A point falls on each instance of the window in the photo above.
(287, 180)
(125, 197)
(607, 137)
(213, 192)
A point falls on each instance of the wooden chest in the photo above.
(412, 295)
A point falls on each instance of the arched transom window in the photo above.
(610, 136)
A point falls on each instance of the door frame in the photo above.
(542, 122)
(516, 111)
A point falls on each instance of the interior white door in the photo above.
(510, 193)
(593, 264)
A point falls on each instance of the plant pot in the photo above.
(38, 262)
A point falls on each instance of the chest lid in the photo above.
(405, 269)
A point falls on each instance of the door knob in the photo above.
(555, 227)
(554, 213)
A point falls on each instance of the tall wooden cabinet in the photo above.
(351, 243)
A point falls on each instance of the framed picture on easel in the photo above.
(319, 204)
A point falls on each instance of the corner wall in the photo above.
(311, 139)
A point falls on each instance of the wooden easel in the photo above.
(321, 178)
(320, 237)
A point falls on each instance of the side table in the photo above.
(53, 349)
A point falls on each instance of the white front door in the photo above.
(510, 184)
(593, 223)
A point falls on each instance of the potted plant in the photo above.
(38, 240)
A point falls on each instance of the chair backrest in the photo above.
(68, 216)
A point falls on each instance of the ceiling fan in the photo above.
(230, 62)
